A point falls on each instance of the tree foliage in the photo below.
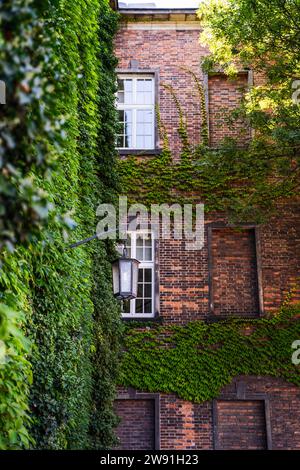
(265, 37)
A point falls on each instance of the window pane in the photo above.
(128, 141)
(121, 97)
(139, 253)
(139, 306)
(148, 129)
(128, 128)
(128, 247)
(139, 240)
(148, 275)
(143, 304)
(147, 306)
(148, 254)
(147, 290)
(148, 142)
(148, 85)
(128, 116)
(144, 93)
(120, 84)
(144, 128)
(140, 290)
(145, 116)
(128, 91)
(140, 142)
(126, 306)
(120, 141)
(140, 278)
(120, 90)
(140, 129)
(148, 240)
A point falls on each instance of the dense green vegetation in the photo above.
(262, 36)
(59, 324)
(196, 360)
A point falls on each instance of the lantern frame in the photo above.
(118, 281)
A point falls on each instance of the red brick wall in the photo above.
(184, 275)
(224, 97)
(167, 51)
(136, 430)
(280, 256)
(184, 287)
(234, 272)
(241, 425)
(284, 406)
(185, 425)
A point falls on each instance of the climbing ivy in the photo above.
(196, 360)
(57, 313)
(246, 183)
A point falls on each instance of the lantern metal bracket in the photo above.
(93, 237)
(120, 268)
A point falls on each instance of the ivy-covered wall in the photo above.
(238, 180)
(197, 360)
(184, 356)
(59, 323)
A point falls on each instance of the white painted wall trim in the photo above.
(163, 26)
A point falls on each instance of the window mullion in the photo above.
(133, 255)
(134, 117)
(152, 289)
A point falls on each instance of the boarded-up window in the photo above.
(240, 425)
(224, 97)
(234, 281)
(136, 430)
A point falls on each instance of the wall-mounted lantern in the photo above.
(125, 273)
(125, 277)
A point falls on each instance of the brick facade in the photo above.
(246, 272)
(140, 433)
(251, 412)
(223, 96)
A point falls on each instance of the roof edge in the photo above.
(157, 11)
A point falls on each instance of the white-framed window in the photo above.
(140, 245)
(136, 110)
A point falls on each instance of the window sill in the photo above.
(156, 319)
(124, 152)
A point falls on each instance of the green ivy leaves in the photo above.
(196, 360)
(58, 163)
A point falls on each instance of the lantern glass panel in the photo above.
(135, 270)
(116, 278)
(125, 275)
